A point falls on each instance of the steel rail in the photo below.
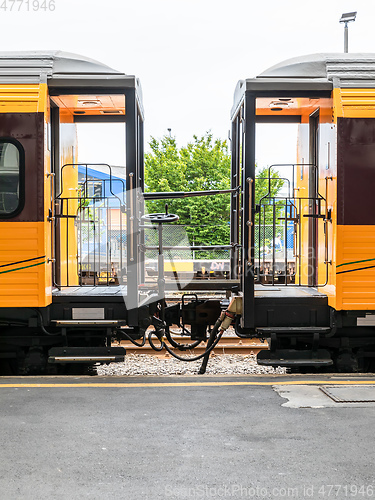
(227, 345)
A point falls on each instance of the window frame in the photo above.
(21, 178)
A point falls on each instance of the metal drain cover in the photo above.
(350, 393)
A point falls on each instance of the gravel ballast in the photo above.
(143, 364)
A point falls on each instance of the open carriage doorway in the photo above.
(101, 143)
(274, 231)
(97, 148)
(101, 224)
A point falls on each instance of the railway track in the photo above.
(227, 345)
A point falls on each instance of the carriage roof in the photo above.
(312, 73)
(62, 70)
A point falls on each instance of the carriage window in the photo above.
(10, 178)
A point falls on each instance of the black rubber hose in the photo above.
(241, 335)
(208, 350)
(211, 340)
(42, 326)
(162, 344)
(181, 347)
(127, 336)
(180, 358)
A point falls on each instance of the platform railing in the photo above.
(193, 249)
(90, 228)
(282, 246)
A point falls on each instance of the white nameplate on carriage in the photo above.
(88, 313)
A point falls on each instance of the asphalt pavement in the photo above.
(184, 437)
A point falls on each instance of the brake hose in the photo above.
(238, 332)
(127, 336)
(222, 324)
(214, 338)
(180, 358)
(162, 344)
(225, 319)
(181, 347)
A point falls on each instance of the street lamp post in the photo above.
(346, 18)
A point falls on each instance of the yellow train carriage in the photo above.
(25, 252)
(331, 97)
(73, 270)
(343, 245)
(43, 305)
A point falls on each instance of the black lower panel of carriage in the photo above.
(290, 307)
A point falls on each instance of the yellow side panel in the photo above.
(23, 98)
(355, 278)
(354, 103)
(30, 286)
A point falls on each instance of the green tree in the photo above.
(267, 186)
(262, 185)
(204, 164)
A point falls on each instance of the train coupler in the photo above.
(196, 313)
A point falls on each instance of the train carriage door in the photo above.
(313, 195)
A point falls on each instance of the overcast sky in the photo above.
(188, 55)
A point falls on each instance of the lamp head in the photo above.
(348, 16)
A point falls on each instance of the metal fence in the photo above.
(181, 236)
(109, 243)
(178, 235)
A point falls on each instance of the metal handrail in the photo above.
(88, 206)
(295, 204)
(187, 194)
